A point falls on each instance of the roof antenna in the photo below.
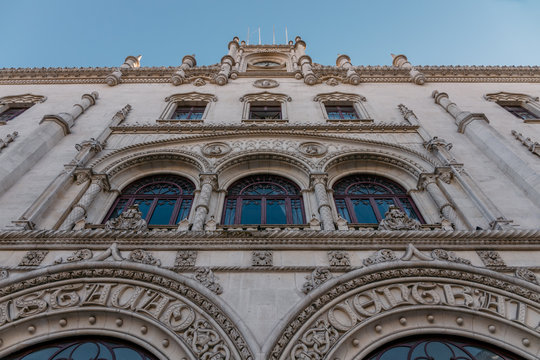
(286, 36)
(273, 34)
(259, 35)
(248, 36)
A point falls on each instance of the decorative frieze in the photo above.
(319, 276)
(262, 258)
(33, 258)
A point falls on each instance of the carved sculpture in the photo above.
(316, 278)
(144, 257)
(527, 275)
(8, 139)
(440, 254)
(380, 256)
(265, 83)
(33, 258)
(262, 258)
(206, 277)
(533, 147)
(490, 258)
(185, 258)
(131, 219)
(396, 219)
(339, 258)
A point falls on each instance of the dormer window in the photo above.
(268, 111)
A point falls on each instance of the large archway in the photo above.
(352, 315)
(167, 314)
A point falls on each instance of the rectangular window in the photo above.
(11, 113)
(265, 112)
(188, 113)
(341, 112)
(520, 112)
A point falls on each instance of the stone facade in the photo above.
(323, 288)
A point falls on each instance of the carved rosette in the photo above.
(339, 258)
(262, 258)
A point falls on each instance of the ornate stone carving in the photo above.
(22, 99)
(316, 278)
(339, 96)
(80, 255)
(265, 96)
(206, 342)
(191, 96)
(332, 81)
(3, 274)
(206, 277)
(7, 140)
(93, 144)
(185, 258)
(33, 258)
(342, 224)
(339, 258)
(315, 342)
(533, 147)
(312, 149)
(262, 258)
(111, 252)
(395, 219)
(440, 254)
(380, 256)
(265, 83)
(527, 275)
(216, 149)
(199, 82)
(131, 219)
(509, 97)
(436, 142)
(144, 257)
(490, 258)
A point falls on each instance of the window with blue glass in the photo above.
(263, 199)
(440, 349)
(84, 349)
(364, 199)
(162, 199)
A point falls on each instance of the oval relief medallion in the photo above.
(265, 83)
(312, 149)
(216, 149)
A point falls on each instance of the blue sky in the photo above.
(73, 33)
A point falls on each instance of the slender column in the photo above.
(401, 61)
(27, 152)
(304, 62)
(318, 182)
(180, 75)
(344, 61)
(476, 127)
(208, 183)
(86, 150)
(131, 62)
(227, 63)
(429, 183)
(81, 208)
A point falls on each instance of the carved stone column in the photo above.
(344, 61)
(28, 151)
(401, 61)
(476, 127)
(131, 62)
(233, 52)
(318, 182)
(180, 75)
(98, 183)
(227, 63)
(429, 183)
(208, 183)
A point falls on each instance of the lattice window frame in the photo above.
(261, 98)
(344, 99)
(186, 99)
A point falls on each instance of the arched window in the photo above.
(439, 349)
(263, 199)
(84, 349)
(162, 199)
(364, 199)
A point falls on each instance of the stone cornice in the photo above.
(280, 239)
(162, 74)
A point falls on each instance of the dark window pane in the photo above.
(183, 213)
(297, 211)
(341, 112)
(383, 205)
(230, 212)
(265, 112)
(160, 188)
(251, 212)
(342, 209)
(12, 113)
(188, 112)
(409, 209)
(363, 211)
(264, 189)
(520, 112)
(144, 206)
(275, 211)
(118, 208)
(163, 212)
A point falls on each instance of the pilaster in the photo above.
(318, 183)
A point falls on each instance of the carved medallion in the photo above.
(216, 149)
(312, 149)
(265, 83)
(199, 82)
